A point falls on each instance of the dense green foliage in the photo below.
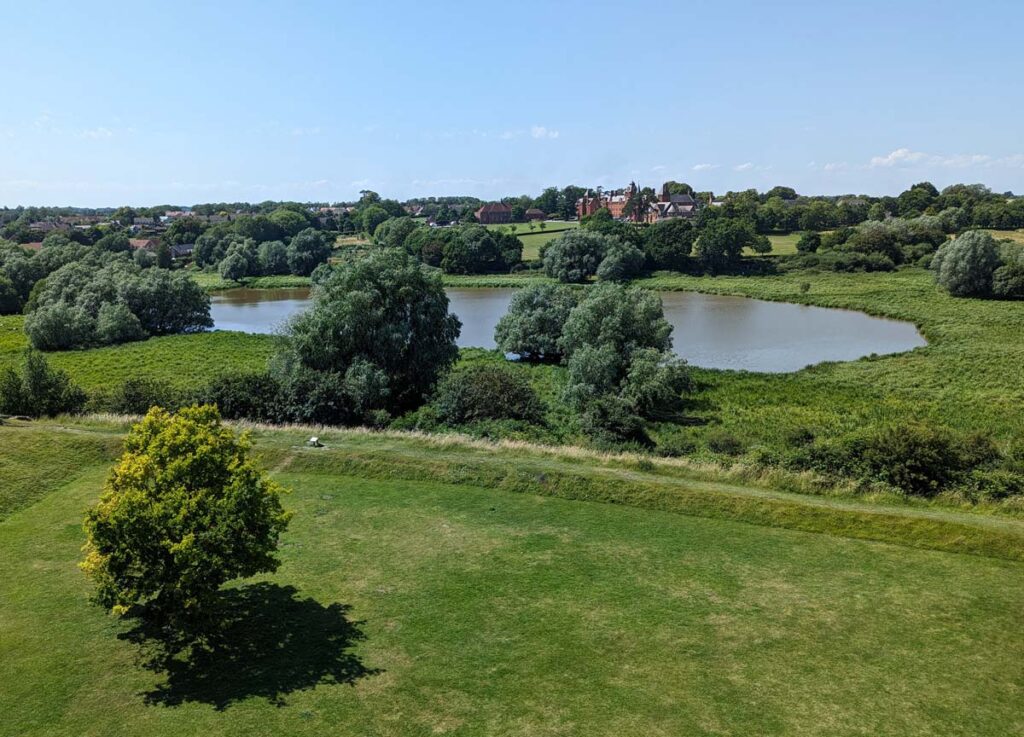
(721, 242)
(575, 255)
(620, 371)
(532, 327)
(973, 265)
(375, 340)
(38, 390)
(184, 511)
(485, 392)
(104, 301)
(238, 256)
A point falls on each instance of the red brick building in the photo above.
(667, 206)
(494, 213)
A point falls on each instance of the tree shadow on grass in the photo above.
(267, 642)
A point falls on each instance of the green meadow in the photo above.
(970, 377)
(533, 239)
(438, 586)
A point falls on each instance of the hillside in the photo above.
(438, 585)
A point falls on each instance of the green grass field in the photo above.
(182, 360)
(533, 239)
(430, 587)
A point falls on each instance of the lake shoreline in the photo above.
(712, 331)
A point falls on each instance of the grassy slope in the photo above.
(533, 240)
(486, 612)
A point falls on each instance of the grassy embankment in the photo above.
(429, 597)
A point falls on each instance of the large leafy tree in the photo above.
(721, 243)
(289, 221)
(478, 250)
(623, 318)
(183, 230)
(532, 327)
(307, 250)
(965, 265)
(620, 370)
(668, 244)
(376, 339)
(184, 511)
(575, 255)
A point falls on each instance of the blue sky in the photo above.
(144, 103)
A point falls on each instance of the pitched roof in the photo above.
(495, 207)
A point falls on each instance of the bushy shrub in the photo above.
(136, 395)
(248, 396)
(919, 459)
(486, 392)
(996, 484)
(809, 242)
(609, 419)
(725, 442)
(676, 445)
(39, 390)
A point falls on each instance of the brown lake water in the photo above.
(708, 330)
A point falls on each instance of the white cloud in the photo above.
(659, 167)
(96, 134)
(898, 157)
(539, 131)
(359, 183)
(835, 166)
(905, 157)
(705, 167)
(746, 166)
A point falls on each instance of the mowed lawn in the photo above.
(533, 239)
(412, 607)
